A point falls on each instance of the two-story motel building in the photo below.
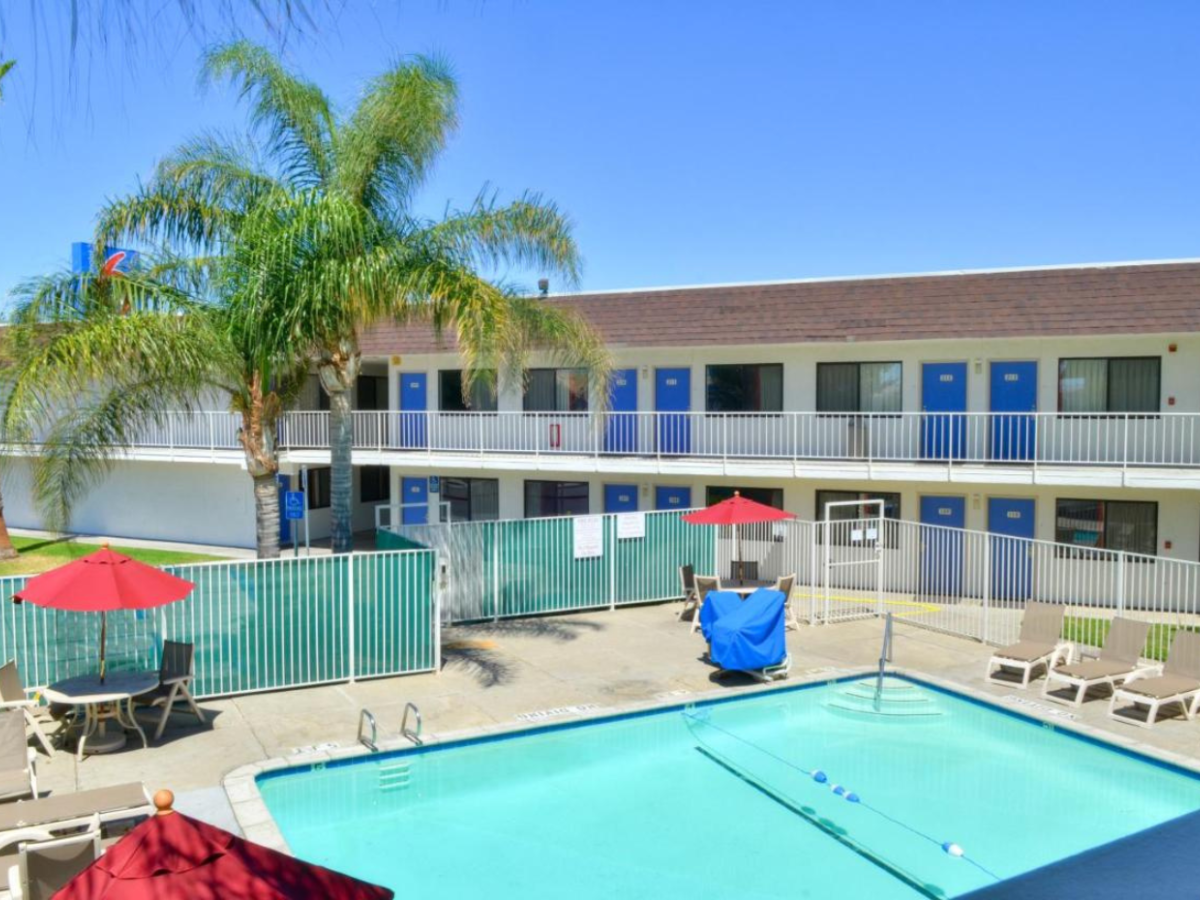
(1061, 403)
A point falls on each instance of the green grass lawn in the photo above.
(1092, 631)
(43, 554)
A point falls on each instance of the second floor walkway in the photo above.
(1159, 450)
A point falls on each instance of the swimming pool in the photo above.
(807, 791)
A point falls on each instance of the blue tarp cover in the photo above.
(716, 605)
(752, 635)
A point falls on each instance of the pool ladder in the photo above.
(368, 730)
(365, 720)
(414, 736)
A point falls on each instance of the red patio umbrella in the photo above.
(102, 582)
(735, 511)
(171, 856)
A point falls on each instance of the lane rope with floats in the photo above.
(703, 716)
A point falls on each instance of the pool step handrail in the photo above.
(414, 736)
(885, 657)
(366, 719)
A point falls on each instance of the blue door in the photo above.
(285, 525)
(673, 394)
(620, 432)
(1011, 525)
(943, 392)
(672, 498)
(414, 494)
(942, 546)
(619, 498)
(1014, 391)
(412, 409)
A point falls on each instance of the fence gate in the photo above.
(852, 561)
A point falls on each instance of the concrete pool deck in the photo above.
(529, 671)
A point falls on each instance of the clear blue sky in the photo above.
(702, 142)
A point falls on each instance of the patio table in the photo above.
(112, 699)
(747, 587)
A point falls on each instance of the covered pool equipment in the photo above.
(897, 699)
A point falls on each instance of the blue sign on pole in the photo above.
(435, 484)
(293, 505)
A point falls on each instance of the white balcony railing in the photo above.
(1033, 439)
(1168, 439)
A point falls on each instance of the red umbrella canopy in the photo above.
(104, 581)
(737, 510)
(171, 855)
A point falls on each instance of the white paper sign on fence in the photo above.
(631, 525)
(589, 536)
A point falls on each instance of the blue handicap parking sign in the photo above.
(435, 484)
(293, 505)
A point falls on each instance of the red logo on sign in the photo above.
(109, 268)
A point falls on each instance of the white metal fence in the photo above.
(968, 583)
(1121, 439)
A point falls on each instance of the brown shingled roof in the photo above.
(1134, 298)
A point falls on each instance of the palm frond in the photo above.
(160, 213)
(530, 231)
(397, 131)
(81, 447)
(293, 115)
(219, 170)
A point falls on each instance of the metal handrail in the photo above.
(365, 718)
(414, 736)
(885, 657)
(1166, 438)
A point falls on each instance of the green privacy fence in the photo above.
(526, 567)
(256, 625)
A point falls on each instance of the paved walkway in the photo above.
(516, 671)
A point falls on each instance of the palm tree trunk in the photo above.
(257, 436)
(7, 550)
(266, 516)
(338, 371)
(341, 475)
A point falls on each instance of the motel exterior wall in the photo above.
(208, 499)
(197, 503)
(1180, 369)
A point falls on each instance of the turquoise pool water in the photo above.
(718, 801)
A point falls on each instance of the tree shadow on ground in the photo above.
(470, 648)
(487, 667)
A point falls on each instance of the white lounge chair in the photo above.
(60, 813)
(46, 865)
(1179, 684)
(18, 775)
(704, 586)
(1039, 647)
(786, 584)
(1120, 659)
(14, 696)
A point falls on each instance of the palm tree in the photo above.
(321, 208)
(97, 358)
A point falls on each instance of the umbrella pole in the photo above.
(737, 541)
(103, 641)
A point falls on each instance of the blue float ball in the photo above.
(853, 798)
(838, 789)
(818, 776)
